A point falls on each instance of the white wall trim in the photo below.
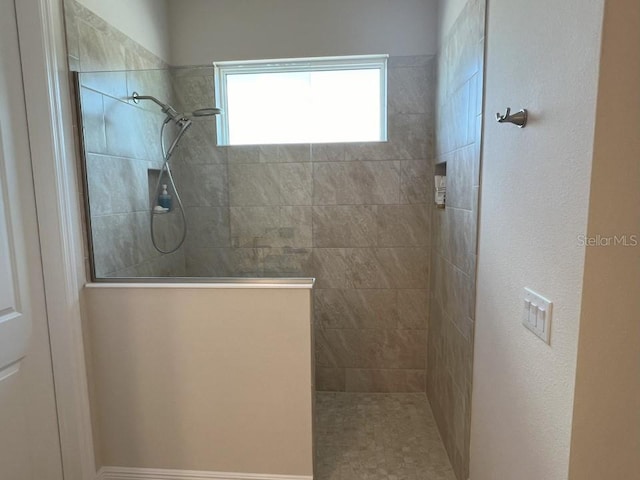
(48, 104)
(129, 473)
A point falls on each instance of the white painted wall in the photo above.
(203, 31)
(534, 204)
(145, 21)
(448, 12)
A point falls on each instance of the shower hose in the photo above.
(166, 168)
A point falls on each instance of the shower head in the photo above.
(172, 113)
(206, 112)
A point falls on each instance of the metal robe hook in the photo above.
(519, 119)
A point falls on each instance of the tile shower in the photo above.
(356, 216)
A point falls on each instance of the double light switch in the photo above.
(537, 314)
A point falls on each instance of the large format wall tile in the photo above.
(117, 185)
(287, 262)
(403, 226)
(98, 51)
(350, 308)
(287, 226)
(382, 380)
(93, 121)
(409, 89)
(454, 232)
(270, 184)
(345, 226)
(397, 267)
(208, 226)
(370, 348)
(355, 216)
(416, 182)
(202, 185)
(348, 183)
(408, 138)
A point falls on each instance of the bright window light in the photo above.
(323, 100)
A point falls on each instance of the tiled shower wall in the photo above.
(121, 143)
(454, 233)
(355, 216)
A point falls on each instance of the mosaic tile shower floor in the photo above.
(378, 437)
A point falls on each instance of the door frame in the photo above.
(53, 155)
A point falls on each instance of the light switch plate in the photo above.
(536, 314)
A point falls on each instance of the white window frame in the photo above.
(356, 62)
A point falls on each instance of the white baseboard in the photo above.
(128, 473)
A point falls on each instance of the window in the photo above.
(314, 100)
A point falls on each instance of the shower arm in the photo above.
(166, 109)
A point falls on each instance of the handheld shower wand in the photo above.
(183, 121)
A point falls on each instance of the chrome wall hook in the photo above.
(519, 119)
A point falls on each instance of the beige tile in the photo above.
(208, 227)
(156, 83)
(113, 84)
(202, 185)
(454, 236)
(93, 121)
(131, 131)
(371, 348)
(384, 381)
(328, 152)
(407, 139)
(409, 89)
(116, 185)
(329, 267)
(271, 227)
(416, 182)
(224, 262)
(270, 184)
(198, 146)
(253, 185)
(98, 53)
(460, 172)
(294, 153)
(193, 89)
(349, 308)
(413, 309)
(287, 262)
(351, 183)
(71, 29)
(295, 183)
(345, 226)
(403, 226)
(243, 154)
(453, 289)
(330, 379)
(399, 267)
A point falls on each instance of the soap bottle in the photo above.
(164, 199)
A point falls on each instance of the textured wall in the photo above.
(204, 31)
(451, 320)
(535, 196)
(121, 142)
(356, 216)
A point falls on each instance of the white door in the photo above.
(29, 438)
